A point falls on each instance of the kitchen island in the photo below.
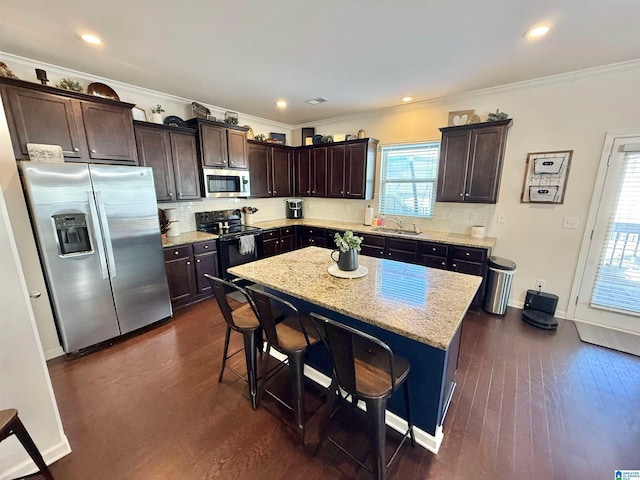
(416, 310)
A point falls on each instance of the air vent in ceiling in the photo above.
(316, 101)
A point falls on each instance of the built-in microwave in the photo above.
(226, 183)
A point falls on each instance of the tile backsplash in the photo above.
(448, 217)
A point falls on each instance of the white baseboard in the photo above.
(53, 353)
(399, 424)
(27, 467)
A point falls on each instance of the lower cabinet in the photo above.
(311, 237)
(186, 266)
(278, 240)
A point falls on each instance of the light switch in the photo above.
(570, 222)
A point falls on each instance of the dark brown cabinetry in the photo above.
(171, 152)
(89, 129)
(351, 169)
(220, 145)
(270, 170)
(372, 245)
(311, 172)
(278, 240)
(433, 255)
(186, 266)
(471, 159)
(311, 236)
(401, 250)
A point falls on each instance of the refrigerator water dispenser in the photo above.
(72, 233)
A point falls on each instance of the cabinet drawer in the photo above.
(433, 262)
(204, 247)
(174, 253)
(467, 267)
(373, 240)
(286, 232)
(434, 249)
(311, 231)
(469, 254)
(372, 251)
(404, 245)
(269, 234)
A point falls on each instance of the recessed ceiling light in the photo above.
(539, 31)
(87, 37)
(281, 103)
(407, 99)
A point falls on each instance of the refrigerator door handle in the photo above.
(106, 234)
(96, 234)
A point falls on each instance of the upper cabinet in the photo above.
(89, 129)
(471, 162)
(172, 154)
(270, 170)
(220, 145)
(340, 170)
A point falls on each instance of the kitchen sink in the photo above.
(395, 230)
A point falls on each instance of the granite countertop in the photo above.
(188, 237)
(420, 303)
(427, 235)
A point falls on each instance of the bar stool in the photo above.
(365, 368)
(242, 320)
(10, 424)
(290, 337)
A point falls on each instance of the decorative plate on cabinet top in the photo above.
(101, 90)
(174, 121)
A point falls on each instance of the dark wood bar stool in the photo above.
(242, 320)
(291, 337)
(10, 424)
(366, 369)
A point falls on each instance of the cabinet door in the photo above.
(213, 145)
(319, 172)
(485, 164)
(185, 165)
(43, 118)
(356, 171)
(257, 155)
(373, 245)
(205, 263)
(270, 247)
(109, 131)
(336, 171)
(401, 250)
(452, 170)
(181, 278)
(287, 244)
(303, 172)
(237, 148)
(153, 151)
(281, 172)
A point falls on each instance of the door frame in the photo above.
(607, 151)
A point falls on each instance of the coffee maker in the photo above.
(294, 207)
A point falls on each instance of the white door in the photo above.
(609, 291)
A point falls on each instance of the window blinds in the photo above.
(617, 281)
(408, 179)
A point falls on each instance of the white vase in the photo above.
(155, 118)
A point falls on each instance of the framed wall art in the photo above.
(545, 177)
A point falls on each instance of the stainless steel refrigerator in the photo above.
(99, 240)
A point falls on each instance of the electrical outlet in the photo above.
(501, 218)
(570, 222)
(540, 283)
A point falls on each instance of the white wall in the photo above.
(24, 379)
(570, 112)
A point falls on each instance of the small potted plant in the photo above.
(348, 248)
(69, 84)
(156, 114)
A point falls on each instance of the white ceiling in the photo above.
(360, 54)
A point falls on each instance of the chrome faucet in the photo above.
(399, 223)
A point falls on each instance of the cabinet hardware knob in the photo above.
(188, 263)
(381, 252)
(76, 149)
(443, 264)
(176, 253)
(341, 192)
(170, 194)
(434, 249)
(206, 246)
(462, 194)
(313, 191)
(389, 253)
(466, 194)
(454, 265)
(467, 254)
(198, 261)
(93, 150)
(179, 194)
(35, 294)
(347, 192)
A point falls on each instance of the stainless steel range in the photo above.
(237, 243)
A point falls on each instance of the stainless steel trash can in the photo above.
(501, 272)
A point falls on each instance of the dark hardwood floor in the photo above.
(530, 404)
